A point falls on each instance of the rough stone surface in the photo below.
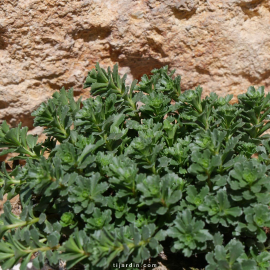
(223, 45)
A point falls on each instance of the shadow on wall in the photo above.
(138, 64)
(92, 34)
(3, 43)
(25, 118)
(249, 8)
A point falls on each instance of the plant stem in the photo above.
(24, 223)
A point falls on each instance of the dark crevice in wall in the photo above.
(3, 104)
(256, 80)
(25, 118)
(251, 9)
(58, 86)
(201, 70)
(92, 33)
(183, 14)
(249, 12)
(265, 75)
(48, 77)
(156, 47)
(3, 42)
(138, 64)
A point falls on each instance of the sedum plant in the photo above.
(135, 170)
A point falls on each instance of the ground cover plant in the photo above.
(115, 182)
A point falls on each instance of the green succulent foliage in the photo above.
(87, 194)
(124, 177)
(177, 157)
(219, 209)
(188, 234)
(256, 219)
(228, 117)
(247, 149)
(161, 194)
(264, 152)
(161, 81)
(194, 197)
(135, 170)
(98, 220)
(57, 115)
(156, 106)
(140, 218)
(261, 258)
(232, 256)
(198, 112)
(104, 84)
(16, 140)
(249, 180)
(256, 108)
(67, 219)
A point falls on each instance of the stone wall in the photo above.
(223, 45)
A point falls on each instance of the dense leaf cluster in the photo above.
(132, 170)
